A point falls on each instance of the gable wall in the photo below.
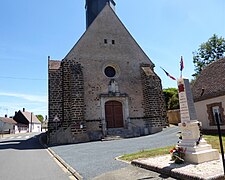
(93, 54)
(19, 118)
(79, 88)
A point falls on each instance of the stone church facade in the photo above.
(105, 85)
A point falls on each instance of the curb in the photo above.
(168, 171)
(67, 166)
(118, 159)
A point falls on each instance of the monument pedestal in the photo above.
(197, 149)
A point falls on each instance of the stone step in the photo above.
(192, 142)
(120, 132)
(111, 138)
(198, 148)
(202, 156)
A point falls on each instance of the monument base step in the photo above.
(192, 147)
(201, 156)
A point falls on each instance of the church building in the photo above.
(105, 85)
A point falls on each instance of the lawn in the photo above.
(211, 139)
(214, 141)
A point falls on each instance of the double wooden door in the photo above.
(114, 114)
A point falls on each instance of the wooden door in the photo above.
(114, 114)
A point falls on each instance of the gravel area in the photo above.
(95, 158)
(204, 171)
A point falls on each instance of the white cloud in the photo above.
(32, 98)
(11, 102)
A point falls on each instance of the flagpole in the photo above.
(181, 66)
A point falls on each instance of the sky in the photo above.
(32, 30)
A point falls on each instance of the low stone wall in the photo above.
(173, 116)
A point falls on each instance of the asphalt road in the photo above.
(22, 158)
(97, 159)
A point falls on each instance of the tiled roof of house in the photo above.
(8, 120)
(54, 64)
(27, 115)
(211, 81)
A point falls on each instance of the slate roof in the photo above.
(211, 81)
(8, 120)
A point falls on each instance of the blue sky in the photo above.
(32, 30)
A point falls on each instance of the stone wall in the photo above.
(153, 103)
(66, 102)
(54, 93)
(73, 97)
(173, 116)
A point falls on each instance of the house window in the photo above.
(216, 112)
(105, 41)
(113, 41)
(213, 110)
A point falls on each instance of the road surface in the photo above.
(22, 157)
(97, 159)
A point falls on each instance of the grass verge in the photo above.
(214, 141)
(211, 139)
(146, 153)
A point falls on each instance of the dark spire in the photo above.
(94, 7)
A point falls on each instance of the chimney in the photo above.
(5, 115)
(23, 109)
(15, 112)
(94, 7)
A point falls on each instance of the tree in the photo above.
(40, 118)
(208, 52)
(171, 98)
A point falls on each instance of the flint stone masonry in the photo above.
(79, 87)
(153, 102)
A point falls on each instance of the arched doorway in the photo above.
(114, 114)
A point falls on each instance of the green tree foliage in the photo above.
(208, 52)
(40, 118)
(171, 98)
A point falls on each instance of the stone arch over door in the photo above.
(114, 114)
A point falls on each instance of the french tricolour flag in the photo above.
(168, 74)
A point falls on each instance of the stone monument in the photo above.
(197, 149)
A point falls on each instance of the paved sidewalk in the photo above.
(132, 173)
(212, 170)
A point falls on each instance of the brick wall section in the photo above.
(153, 103)
(54, 93)
(73, 97)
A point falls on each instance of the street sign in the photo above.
(56, 119)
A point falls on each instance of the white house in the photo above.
(31, 122)
(7, 125)
(209, 95)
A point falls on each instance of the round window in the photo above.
(110, 71)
